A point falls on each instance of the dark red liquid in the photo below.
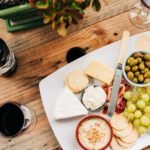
(4, 56)
(11, 119)
(75, 53)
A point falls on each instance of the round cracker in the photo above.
(123, 133)
(119, 122)
(115, 146)
(123, 144)
(77, 81)
(132, 137)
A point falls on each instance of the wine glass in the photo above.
(140, 14)
(15, 119)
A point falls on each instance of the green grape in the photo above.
(147, 109)
(137, 114)
(134, 96)
(128, 103)
(145, 121)
(148, 115)
(127, 95)
(136, 123)
(145, 98)
(125, 113)
(130, 116)
(141, 130)
(131, 108)
(141, 104)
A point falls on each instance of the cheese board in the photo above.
(53, 86)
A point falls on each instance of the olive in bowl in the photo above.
(136, 69)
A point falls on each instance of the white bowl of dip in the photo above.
(94, 132)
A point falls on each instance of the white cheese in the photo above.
(100, 72)
(94, 97)
(68, 106)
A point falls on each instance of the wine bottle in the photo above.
(9, 3)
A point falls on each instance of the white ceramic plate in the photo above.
(51, 86)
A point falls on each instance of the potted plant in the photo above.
(59, 13)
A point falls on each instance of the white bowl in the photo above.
(125, 75)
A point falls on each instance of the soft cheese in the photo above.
(68, 106)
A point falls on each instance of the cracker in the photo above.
(77, 81)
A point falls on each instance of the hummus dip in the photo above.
(94, 134)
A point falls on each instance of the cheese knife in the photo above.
(118, 74)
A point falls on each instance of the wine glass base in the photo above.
(138, 21)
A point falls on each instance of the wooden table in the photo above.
(41, 51)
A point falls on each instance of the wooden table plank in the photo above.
(36, 62)
(19, 41)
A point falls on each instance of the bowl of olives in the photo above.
(136, 69)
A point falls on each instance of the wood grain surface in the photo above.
(41, 51)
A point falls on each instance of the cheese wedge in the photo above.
(68, 106)
(100, 72)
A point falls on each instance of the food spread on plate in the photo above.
(100, 72)
(94, 132)
(77, 81)
(94, 98)
(137, 68)
(68, 105)
(137, 109)
(132, 113)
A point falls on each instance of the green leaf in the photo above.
(87, 2)
(62, 29)
(42, 5)
(96, 5)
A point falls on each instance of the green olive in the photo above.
(137, 73)
(130, 75)
(147, 57)
(147, 80)
(141, 66)
(133, 62)
(145, 75)
(140, 78)
(148, 74)
(142, 71)
(146, 70)
(135, 68)
(127, 68)
(139, 60)
(135, 80)
(147, 63)
(137, 55)
(130, 59)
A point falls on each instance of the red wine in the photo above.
(11, 119)
(75, 53)
(8, 63)
(10, 3)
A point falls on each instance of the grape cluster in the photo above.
(138, 108)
